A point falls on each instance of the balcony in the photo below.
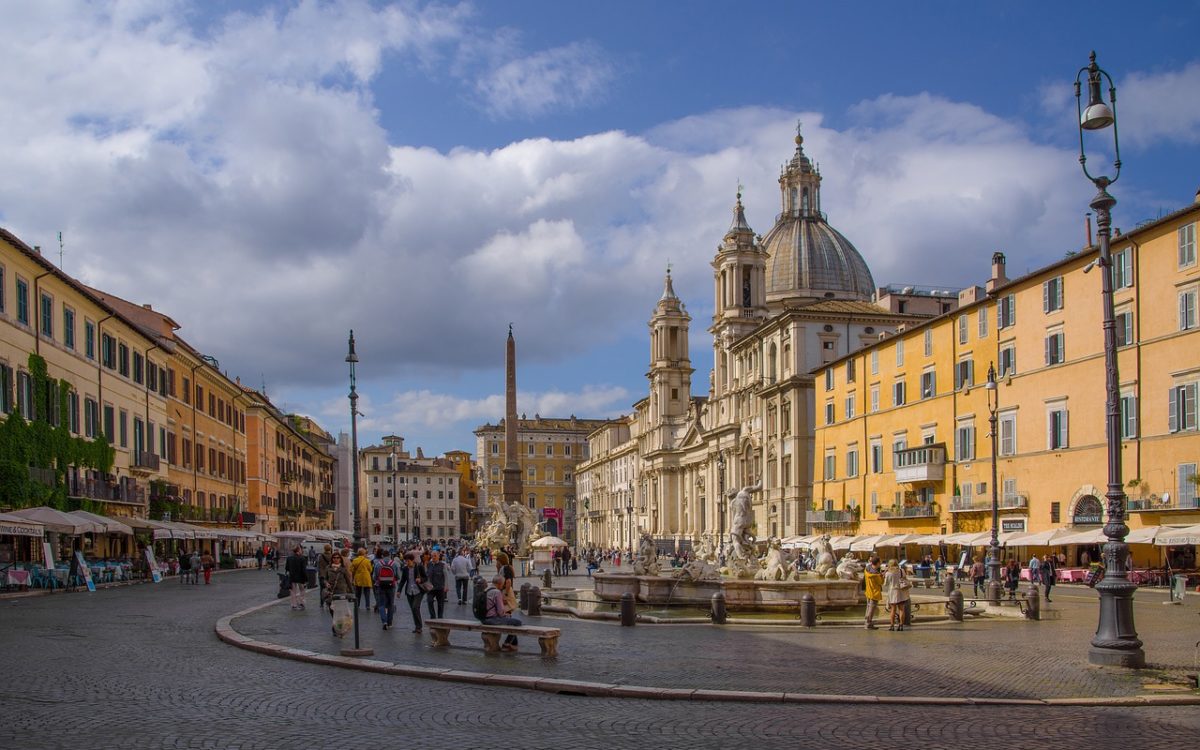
(979, 504)
(144, 462)
(42, 476)
(1159, 505)
(832, 517)
(928, 510)
(925, 463)
(109, 492)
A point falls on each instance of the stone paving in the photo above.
(140, 666)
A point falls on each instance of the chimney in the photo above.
(998, 275)
(1088, 229)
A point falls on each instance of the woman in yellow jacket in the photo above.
(873, 583)
(360, 571)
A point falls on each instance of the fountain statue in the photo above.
(849, 569)
(742, 562)
(512, 525)
(646, 562)
(775, 566)
(703, 567)
(826, 564)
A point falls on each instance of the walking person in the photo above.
(461, 568)
(1012, 577)
(387, 572)
(498, 611)
(323, 561)
(977, 577)
(296, 567)
(258, 555)
(185, 567)
(360, 572)
(413, 584)
(439, 578)
(873, 582)
(895, 588)
(337, 579)
(207, 563)
(1049, 573)
(195, 562)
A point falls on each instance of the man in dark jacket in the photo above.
(412, 580)
(440, 577)
(297, 570)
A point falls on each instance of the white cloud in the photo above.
(422, 411)
(568, 77)
(1160, 106)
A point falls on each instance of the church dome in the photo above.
(807, 258)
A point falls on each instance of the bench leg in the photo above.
(440, 636)
(549, 646)
(491, 642)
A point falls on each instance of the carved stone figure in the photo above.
(513, 524)
(646, 562)
(742, 562)
(775, 565)
(849, 569)
(822, 550)
(703, 566)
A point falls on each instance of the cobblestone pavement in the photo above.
(140, 666)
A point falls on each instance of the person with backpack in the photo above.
(386, 574)
(495, 610)
(439, 577)
(185, 567)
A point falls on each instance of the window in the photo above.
(900, 353)
(1055, 349)
(874, 399)
(876, 457)
(495, 449)
(89, 339)
(1052, 295)
(110, 431)
(531, 447)
(1187, 310)
(830, 466)
(73, 412)
(829, 379)
(25, 395)
(47, 316)
(850, 406)
(138, 368)
(91, 416)
(1006, 311)
(928, 342)
(566, 450)
(123, 359)
(1187, 245)
(964, 443)
(123, 430)
(899, 443)
(1056, 429)
(964, 330)
(1122, 269)
(7, 378)
(875, 362)
(898, 393)
(785, 417)
(68, 327)
(1181, 413)
(964, 374)
(108, 351)
(829, 416)
(1124, 322)
(850, 374)
(550, 446)
(1186, 492)
(983, 326)
(22, 301)
(1128, 405)
(852, 462)
(1008, 360)
(928, 384)
(1008, 434)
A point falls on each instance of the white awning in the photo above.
(928, 539)
(1168, 537)
(57, 521)
(866, 543)
(111, 525)
(11, 525)
(1049, 537)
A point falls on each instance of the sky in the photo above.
(274, 174)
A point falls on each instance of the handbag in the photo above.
(904, 584)
(426, 586)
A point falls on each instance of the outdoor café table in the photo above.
(1024, 574)
(1072, 575)
(18, 577)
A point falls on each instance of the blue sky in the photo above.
(427, 173)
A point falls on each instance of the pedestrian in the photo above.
(195, 562)
(258, 555)
(323, 561)
(185, 567)
(873, 582)
(498, 611)
(1012, 577)
(1049, 573)
(1035, 568)
(296, 567)
(977, 576)
(207, 563)
(461, 567)
(439, 577)
(895, 588)
(360, 572)
(386, 574)
(337, 579)
(414, 585)
(505, 569)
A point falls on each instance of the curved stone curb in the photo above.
(225, 631)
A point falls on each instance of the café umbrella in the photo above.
(59, 522)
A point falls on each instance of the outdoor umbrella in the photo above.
(11, 525)
(57, 521)
(548, 541)
(111, 526)
(1178, 537)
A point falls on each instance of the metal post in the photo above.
(808, 610)
(718, 608)
(1116, 642)
(352, 358)
(395, 515)
(628, 610)
(994, 587)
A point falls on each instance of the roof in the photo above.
(570, 424)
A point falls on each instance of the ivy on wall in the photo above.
(35, 455)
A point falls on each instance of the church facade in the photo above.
(784, 304)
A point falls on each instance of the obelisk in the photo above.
(512, 487)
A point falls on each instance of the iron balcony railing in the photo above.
(927, 510)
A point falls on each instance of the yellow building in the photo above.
(902, 437)
(112, 371)
(468, 490)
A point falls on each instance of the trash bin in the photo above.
(312, 578)
(1178, 587)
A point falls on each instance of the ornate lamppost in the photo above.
(395, 517)
(1116, 642)
(721, 500)
(993, 564)
(352, 358)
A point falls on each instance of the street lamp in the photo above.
(352, 358)
(395, 517)
(721, 502)
(1116, 642)
(629, 511)
(993, 399)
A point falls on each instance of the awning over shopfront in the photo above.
(111, 525)
(11, 525)
(1178, 537)
(59, 522)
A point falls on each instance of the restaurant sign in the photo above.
(1088, 512)
(1009, 525)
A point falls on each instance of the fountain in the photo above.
(749, 582)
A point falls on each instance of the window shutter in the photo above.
(1061, 293)
(1051, 422)
(1188, 393)
(1064, 430)
(1046, 296)
(1048, 340)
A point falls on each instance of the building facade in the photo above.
(549, 450)
(784, 304)
(408, 497)
(916, 455)
(468, 490)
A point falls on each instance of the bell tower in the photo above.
(670, 372)
(739, 275)
(800, 184)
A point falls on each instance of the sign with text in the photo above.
(85, 572)
(48, 552)
(155, 573)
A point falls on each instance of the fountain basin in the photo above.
(740, 595)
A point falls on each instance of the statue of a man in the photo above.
(742, 520)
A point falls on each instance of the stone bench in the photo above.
(439, 631)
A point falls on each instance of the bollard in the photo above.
(808, 610)
(718, 608)
(628, 612)
(534, 601)
(948, 585)
(1033, 603)
(523, 596)
(546, 580)
(954, 607)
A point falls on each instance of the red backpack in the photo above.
(386, 575)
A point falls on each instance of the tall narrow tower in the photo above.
(670, 371)
(512, 487)
(739, 303)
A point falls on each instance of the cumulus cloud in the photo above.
(563, 78)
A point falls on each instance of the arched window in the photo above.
(792, 203)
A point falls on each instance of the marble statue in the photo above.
(849, 568)
(512, 525)
(742, 562)
(702, 567)
(646, 562)
(822, 550)
(775, 565)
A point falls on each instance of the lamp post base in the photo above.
(995, 591)
(1109, 657)
(358, 652)
(1116, 643)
